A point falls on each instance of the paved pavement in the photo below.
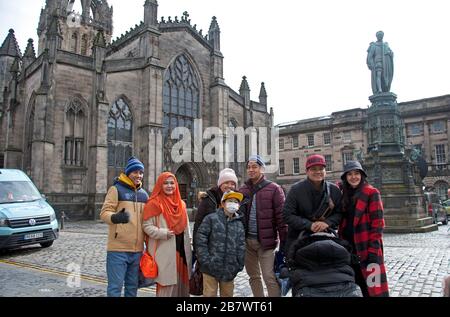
(416, 264)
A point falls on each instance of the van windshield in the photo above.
(17, 191)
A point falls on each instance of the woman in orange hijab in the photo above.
(167, 227)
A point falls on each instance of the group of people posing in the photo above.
(242, 227)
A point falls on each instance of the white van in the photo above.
(25, 217)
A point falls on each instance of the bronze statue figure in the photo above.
(380, 60)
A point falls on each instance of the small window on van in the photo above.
(17, 191)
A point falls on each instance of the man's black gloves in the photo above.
(121, 217)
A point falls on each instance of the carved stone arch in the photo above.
(182, 97)
(133, 111)
(191, 177)
(75, 131)
(77, 102)
(128, 102)
(186, 54)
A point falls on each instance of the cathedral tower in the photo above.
(78, 29)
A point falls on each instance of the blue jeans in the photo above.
(122, 268)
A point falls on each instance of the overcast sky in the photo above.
(310, 54)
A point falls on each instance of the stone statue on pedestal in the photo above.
(380, 60)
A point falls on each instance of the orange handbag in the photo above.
(148, 265)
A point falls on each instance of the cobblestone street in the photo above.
(416, 264)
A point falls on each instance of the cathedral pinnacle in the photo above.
(10, 46)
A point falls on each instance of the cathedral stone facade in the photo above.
(75, 111)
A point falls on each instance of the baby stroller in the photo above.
(320, 266)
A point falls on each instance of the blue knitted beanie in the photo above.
(258, 159)
(133, 165)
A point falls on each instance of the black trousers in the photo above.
(360, 280)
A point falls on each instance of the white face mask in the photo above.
(231, 206)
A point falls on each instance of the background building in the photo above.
(342, 136)
(72, 114)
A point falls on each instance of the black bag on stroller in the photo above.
(320, 266)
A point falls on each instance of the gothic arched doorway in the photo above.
(184, 178)
(188, 180)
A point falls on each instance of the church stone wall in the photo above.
(71, 81)
(131, 49)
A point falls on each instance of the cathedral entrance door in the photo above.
(183, 192)
(185, 181)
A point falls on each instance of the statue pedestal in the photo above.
(404, 207)
(391, 171)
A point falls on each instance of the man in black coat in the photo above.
(312, 204)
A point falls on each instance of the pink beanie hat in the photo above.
(226, 175)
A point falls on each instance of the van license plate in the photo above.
(33, 236)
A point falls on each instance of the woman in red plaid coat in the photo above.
(362, 225)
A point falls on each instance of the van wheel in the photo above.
(445, 222)
(46, 244)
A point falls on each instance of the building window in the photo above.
(84, 44)
(235, 163)
(328, 161)
(327, 138)
(440, 154)
(120, 134)
(181, 96)
(74, 43)
(74, 135)
(437, 126)
(295, 141)
(441, 189)
(415, 129)
(281, 170)
(347, 156)
(347, 136)
(296, 169)
(310, 139)
(2, 161)
(281, 144)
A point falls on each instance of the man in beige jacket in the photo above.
(122, 210)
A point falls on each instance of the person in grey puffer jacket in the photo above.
(220, 247)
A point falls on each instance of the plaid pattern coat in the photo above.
(368, 227)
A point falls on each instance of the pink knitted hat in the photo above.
(226, 175)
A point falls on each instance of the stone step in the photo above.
(408, 229)
(405, 222)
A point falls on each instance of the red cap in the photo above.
(314, 160)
